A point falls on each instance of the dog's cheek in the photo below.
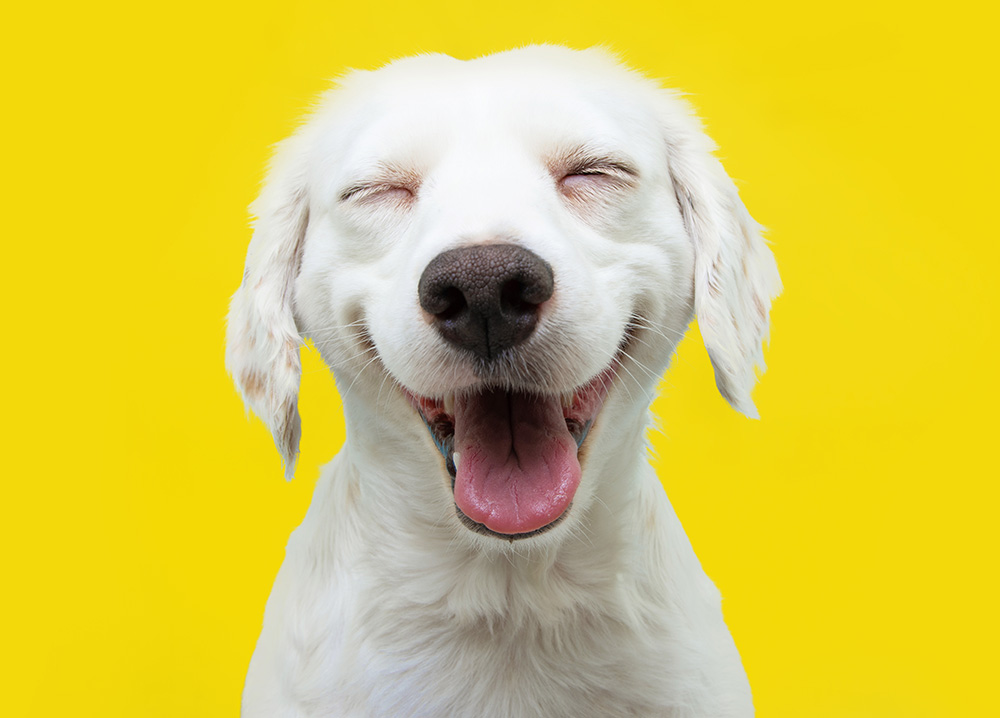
(581, 327)
(406, 343)
(326, 304)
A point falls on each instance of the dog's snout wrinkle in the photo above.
(486, 298)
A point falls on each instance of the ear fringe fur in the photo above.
(262, 340)
(736, 276)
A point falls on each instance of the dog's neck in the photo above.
(420, 555)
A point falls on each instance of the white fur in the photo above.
(386, 605)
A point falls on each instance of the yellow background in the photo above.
(852, 530)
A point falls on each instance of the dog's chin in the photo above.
(513, 457)
(483, 530)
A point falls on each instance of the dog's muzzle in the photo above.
(513, 456)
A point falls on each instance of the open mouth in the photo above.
(513, 457)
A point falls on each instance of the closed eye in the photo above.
(389, 183)
(377, 192)
(582, 180)
(602, 166)
(589, 174)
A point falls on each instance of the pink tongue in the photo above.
(518, 468)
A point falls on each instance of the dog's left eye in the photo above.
(595, 178)
(585, 178)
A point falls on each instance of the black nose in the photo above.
(485, 298)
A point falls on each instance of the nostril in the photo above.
(452, 302)
(512, 296)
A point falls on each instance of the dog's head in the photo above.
(498, 257)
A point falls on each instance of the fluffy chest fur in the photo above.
(404, 624)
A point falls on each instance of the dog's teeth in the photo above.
(455, 456)
(449, 403)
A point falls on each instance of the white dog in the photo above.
(497, 259)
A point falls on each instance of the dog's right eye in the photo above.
(378, 192)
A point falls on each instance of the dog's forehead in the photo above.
(538, 97)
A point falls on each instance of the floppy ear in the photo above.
(735, 273)
(262, 341)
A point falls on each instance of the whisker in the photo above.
(341, 360)
(358, 375)
(639, 365)
(644, 323)
(335, 341)
(378, 398)
(637, 384)
(331, 327)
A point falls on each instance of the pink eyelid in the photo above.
(589, 176)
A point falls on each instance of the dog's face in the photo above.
(498, 256)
